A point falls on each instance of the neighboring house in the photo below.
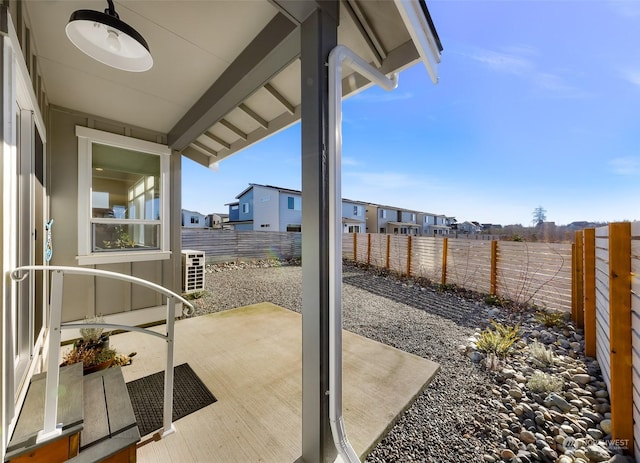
(388, 219)
(193, 219)
(267, 208)
(470, 228)
(272, 208)
(234, 211)
(353, 216)
(216, 221)
(434, 224)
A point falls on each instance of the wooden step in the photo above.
(23, 446)
(110, 432)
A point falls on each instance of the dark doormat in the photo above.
(147, 396)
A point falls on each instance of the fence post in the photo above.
(369, 249)
(388, 251)
(445, 245)
(574, 302)
(409, 256)
(579, 275)
(494, 267)
(621, 392)
(589, 272)
(355, 247)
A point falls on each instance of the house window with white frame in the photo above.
(383, 214)
(294, 203)
(195, 219)
(357, 211)
(245, 208)
(123, 198)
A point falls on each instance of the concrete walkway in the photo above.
(250, 358)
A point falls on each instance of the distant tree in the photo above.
(539, 215)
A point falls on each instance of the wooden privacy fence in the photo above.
(228, 246)
(607, 303)
(537, 273)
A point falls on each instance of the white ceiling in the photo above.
(193, 44)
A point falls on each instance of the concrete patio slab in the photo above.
(250, 358)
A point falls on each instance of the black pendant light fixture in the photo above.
(105, 38)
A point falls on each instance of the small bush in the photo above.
(497, 301)
(541, 353)
(550, 318)
(195, 295)
(500, 340)
(446, 287)
(543, 382)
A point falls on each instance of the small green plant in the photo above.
(540, 353)
(496, 301)
(550, 318)
(93, 335)
(544, 382)
(500, 340)
(194, 295)
(123, 240)
(446, 287)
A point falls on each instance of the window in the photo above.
(294, 228)
(354, 228)
(123, 191)
(195, 219)
(235, 207)
(294, 203)
(383, 214)
(357, 211)
(265, 225)
(413, 217)
(245, 208)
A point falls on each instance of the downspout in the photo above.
(339, 56)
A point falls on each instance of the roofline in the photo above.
(432, 26)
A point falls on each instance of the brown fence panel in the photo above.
(398, 253)
(348, 245)
(538, 273)
(227, 245)
(378, 254)
(426, 261)
(635, 332)
(602, 303)
(469, 264)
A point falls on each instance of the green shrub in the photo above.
(543, 382)
(550, 318)
(497, 301)
(500, 340)
(446, 287)
(195, 295)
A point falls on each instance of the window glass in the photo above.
(125, 186)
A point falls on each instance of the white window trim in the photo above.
(86, 137)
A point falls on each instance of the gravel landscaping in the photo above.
(470, 412)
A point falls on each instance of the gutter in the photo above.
(338, 57)
(417, 20)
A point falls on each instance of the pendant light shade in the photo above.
(105, 38)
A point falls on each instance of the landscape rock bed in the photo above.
(469, 412)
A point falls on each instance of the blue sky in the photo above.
(538, 104)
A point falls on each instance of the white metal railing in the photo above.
(50, 428)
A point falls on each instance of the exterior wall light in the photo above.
(105, 38)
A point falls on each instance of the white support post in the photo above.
(53, 372)
(168, 427)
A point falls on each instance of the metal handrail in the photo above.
(50, 428)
